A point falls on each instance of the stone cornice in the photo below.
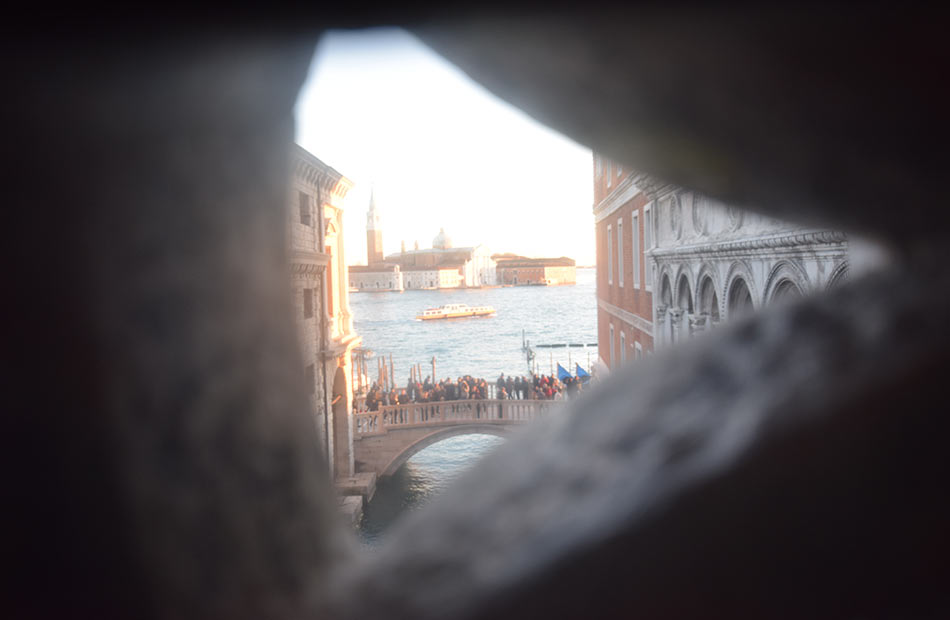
(634, 183)
(652, 186)
(639, 322)
(795, 240)
(308, 262)
(623, 193)
(310, 169)
(339, 346)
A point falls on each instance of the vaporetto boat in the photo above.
(454, 311)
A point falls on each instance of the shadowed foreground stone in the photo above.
(161, 449)
(159, 459)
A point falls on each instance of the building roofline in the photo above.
(313, 169)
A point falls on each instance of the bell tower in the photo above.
(374, 233)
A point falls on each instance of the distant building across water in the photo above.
(521, 270)
(445, 266)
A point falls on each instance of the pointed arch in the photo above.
(666, 289)
(739, 298)
(741, 295)
(684, 293)
(709, 294)
(840, 274)
(708, 298)
(787, 280)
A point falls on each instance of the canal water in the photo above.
(481, 347)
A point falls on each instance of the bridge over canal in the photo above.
(383, 440)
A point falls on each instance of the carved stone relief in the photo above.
(734, 216)
(676, 217)
(699, 215)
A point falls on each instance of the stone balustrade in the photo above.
(413, 415)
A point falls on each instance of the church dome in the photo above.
(442, 241)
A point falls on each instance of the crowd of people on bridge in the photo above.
(538, 387)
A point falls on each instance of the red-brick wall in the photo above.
(634, 299)
(601, 190)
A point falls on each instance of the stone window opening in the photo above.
(307, 303)
(610, 255)
(612, 360)
(620, 253)
(635, 248)
(648, 245)
(303, 200)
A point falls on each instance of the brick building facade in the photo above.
(623, 229)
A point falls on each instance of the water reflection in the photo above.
(421, 478)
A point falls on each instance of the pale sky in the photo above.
(440, 151)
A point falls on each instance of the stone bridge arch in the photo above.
(387, 438)
(434, 436)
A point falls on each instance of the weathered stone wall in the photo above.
(161, 462)
(707, 253)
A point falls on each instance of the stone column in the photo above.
(660, 328)
(676, 317)
(698, 323)
(685, 331)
